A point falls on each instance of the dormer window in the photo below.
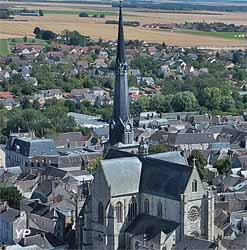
(194, 186)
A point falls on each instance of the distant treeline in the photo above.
(85, 14)
(126, 23)
(4, 14)
(217, 26)
(181, 6)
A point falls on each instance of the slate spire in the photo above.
(120, 123)
(121, 43)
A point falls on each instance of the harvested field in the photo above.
(96, 27)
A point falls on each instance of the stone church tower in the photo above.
(121, 127)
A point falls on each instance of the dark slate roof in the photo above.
(169, 176)
(38, 240)
(10, 215)
(114, 153)
(158, 135)
(190, 138)
(32, 147)
(54, 172)
(193, 243)
(43, 190)
(122, 175)
(174, 157)
(163, 178)
(150, 225)
(66, 138)
(100, 132)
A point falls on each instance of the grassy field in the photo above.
(77, 12)
(225, 35)
(4, 47)
(60, 17)
(15, 41)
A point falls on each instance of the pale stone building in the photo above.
(129, 192)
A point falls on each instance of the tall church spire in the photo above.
(121, 127)
(121, 45)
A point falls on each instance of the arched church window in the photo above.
(132, 209)
(100, 213)
(119, 212)
(159, 209)
(194, 186)
(146, 206)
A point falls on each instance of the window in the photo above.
(159, 209)
(193, 214)
(194, 186)
(100, 213)
(132, 209)
(146, 206)
(119, 212)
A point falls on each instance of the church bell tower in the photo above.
(121, 126)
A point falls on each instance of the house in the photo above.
(51, 93)
(145, 80)
(4, 75)
(31, 80)
(190, 141)
(70, 140)
(100, 63)
(152, 50)
(134, 93)
(88, 121)
(135, 72)
(158, 137)
(6, 95)
(9, 103)
(11, 221)
(20, 150)
(100, 135)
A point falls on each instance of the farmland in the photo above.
(58, 18)
(4, 47)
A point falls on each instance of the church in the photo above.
(141, 201)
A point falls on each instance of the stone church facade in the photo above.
(129, 187)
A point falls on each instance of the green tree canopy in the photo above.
(200, 161)
(223, 165)
(184, 101)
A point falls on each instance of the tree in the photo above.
(226, 103)
(48, 35)
(36, 30)
(223, 165)
(25, 39)
(159, 148)
(36, 104)
(41, 13)
(70, 105)
(11, 195)
(161, 103)
(93, 165)
(212, 98)
(83, 14)
(184, 101)
(200, 161)
(25, 104)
